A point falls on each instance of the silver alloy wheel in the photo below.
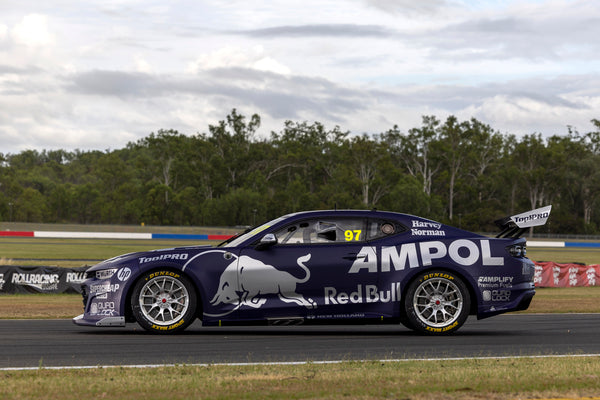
(438, 302)
(163, 300)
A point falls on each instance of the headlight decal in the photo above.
(105, 273)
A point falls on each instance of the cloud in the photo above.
(532, 31)
(319, 30)
(408, 6)
(10, 69)
(274, 94)
(3, 32)
(113, 83)
(33, 31)
(253, 57)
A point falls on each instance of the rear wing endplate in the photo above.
(515, 225)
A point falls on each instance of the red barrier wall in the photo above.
(551, 274)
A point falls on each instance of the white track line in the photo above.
(297, 362)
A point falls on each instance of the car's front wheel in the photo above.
(164, 302)
(437, 302)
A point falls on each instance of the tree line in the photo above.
(459, 172)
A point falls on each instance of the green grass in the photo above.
(567, 255)
(29, 226)
(453, 379)
(76, 252)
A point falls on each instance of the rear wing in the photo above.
(515, 225)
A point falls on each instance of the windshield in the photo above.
(237, 240)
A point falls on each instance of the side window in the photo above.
(378, 229)
(294, 234)
(334, 230)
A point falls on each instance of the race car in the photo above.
(337, 266)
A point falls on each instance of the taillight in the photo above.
(517, 250)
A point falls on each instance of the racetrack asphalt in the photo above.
(48, 343)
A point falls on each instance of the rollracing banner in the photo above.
(551, 274)
(19, 279)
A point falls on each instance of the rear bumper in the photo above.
(519, 303)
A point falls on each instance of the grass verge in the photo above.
(454, 379)
(40, 306)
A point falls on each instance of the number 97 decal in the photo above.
(352, 235)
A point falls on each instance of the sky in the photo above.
(98, 74)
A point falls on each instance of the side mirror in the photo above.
(267, 241)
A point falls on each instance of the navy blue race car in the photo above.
(321, 266)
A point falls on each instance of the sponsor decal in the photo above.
(75, 277)
(532, 218)
(573, 276)
(537, 279)
(423, 228)
(124, 274)
(426, 224)
(168, 328)
(591, 276)
(495, 282)
(104, 308)
(163, 257)
(104, 288)
(331, 316)
(2, 281)
(39, 281)
(105, 273)
(163, 273)
(413, 255)
(496, 295)
(556, 275)
(246, 280)
(438, 275)
(363, 294)
(445, 329)
(426, 232)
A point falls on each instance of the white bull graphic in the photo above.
(255, 279)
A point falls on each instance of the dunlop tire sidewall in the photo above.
(415, 323)
(178, 326)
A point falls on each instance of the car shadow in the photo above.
(301, 331)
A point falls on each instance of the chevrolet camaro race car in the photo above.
(321, 266)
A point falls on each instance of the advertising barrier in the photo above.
(19, 279)
(551, 274)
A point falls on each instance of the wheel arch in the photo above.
(129, 317)
(461, 274)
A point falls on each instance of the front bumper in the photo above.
(106, 321)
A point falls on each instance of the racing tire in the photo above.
(436, 302)
(164, 301)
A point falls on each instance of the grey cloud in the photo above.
(320, 30)
(533, 36)
(408, 6)
(292, 97)
(9, 69)
(551, 92)
(286, 97)
(277, 95)
(114, 83)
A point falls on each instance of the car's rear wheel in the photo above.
(164, 302)
(437, 302)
